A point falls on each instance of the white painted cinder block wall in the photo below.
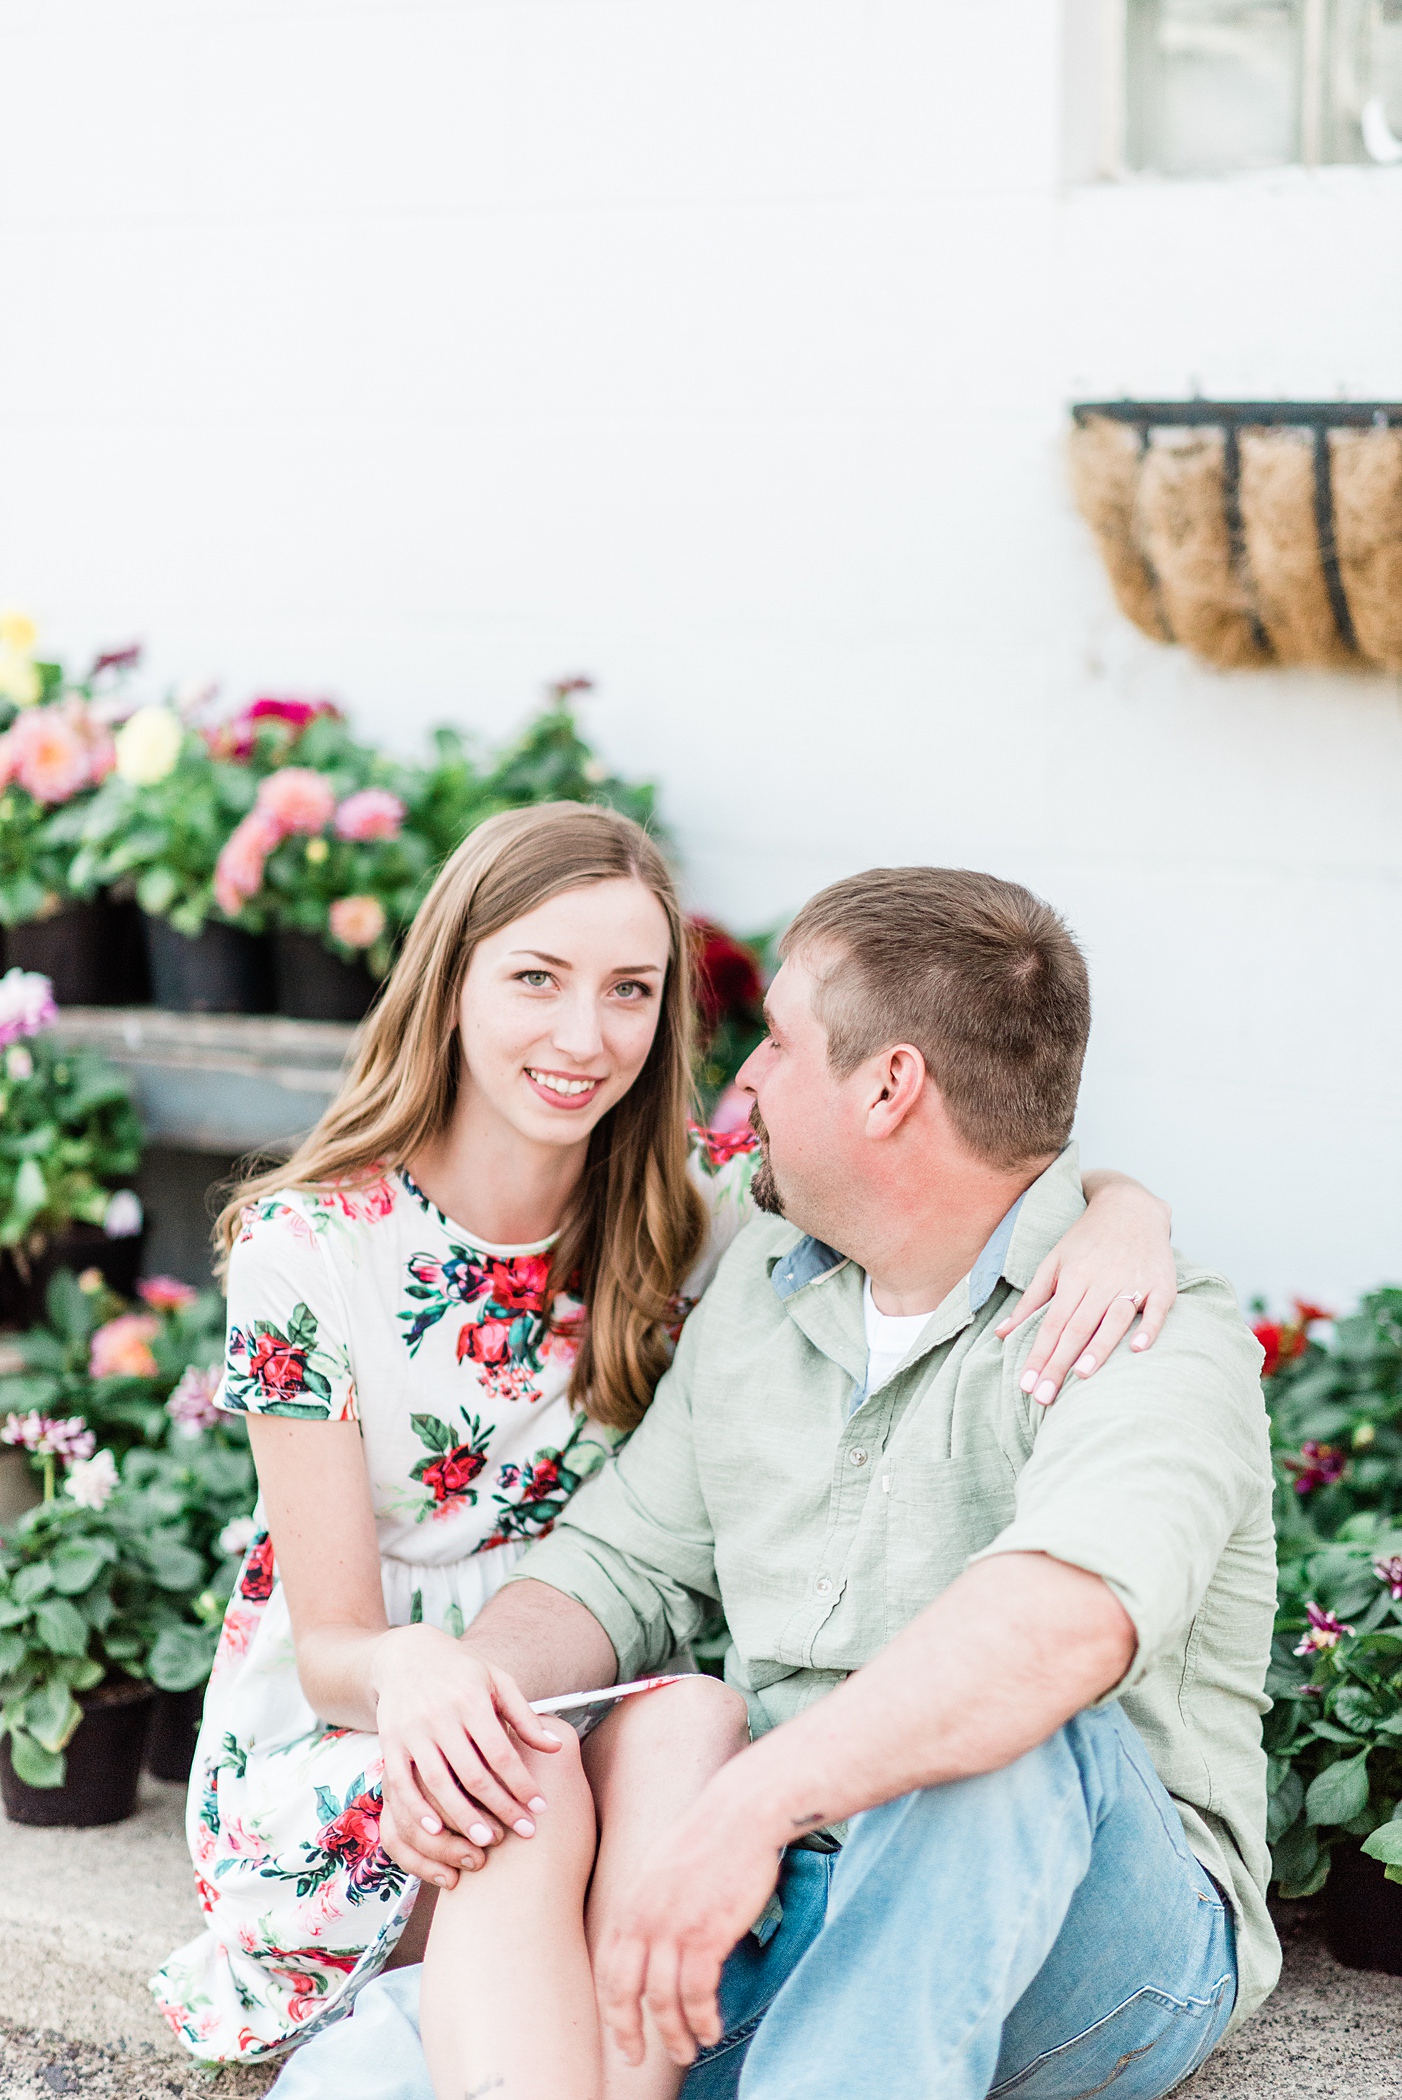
(421, 350)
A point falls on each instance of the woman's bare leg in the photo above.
(507, 2007)
(646, 1763)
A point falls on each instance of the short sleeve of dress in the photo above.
(287, 1351)
(722, 1166)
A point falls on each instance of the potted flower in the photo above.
(145, 1377)
(158, 824)
(55, 749)
(90, 1581)
(69, 1134)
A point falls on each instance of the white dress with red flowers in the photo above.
(370, 1305)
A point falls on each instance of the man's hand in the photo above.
(702, 1889)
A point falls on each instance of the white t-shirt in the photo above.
(890, 1336)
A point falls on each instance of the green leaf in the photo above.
(1385, 1843)
(175, 1567)
(429, 1430)
(61, 1626)
(1285, 1805)
(33, 1582)
(452, 1621)
(181, 1657)
(51, 1715)
(12, 1647)
(78, 1563)
(1339, 1792)
(33, 1764)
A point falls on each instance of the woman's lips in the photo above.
(570, 1089)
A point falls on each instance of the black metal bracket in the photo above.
(1224, 415)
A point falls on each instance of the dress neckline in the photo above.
(461, 1232)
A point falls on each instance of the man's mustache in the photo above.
(757, 1125)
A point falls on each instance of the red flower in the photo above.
(725, 979)
(1305, 1312)
(354, 1836)
(721, 1145)
(1282, 1343)
(256, 1581)
(117, 660)
(519, 1285)
(545, 1481)
(1316, 1466)
(454, 1473)
(276, 1365)
(485, 1341)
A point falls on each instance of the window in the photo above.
(1215, 85)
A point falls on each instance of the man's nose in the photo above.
(748, 1075)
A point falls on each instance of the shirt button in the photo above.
(858, 1457)
(823, 1586)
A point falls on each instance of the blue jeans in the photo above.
(1041, 1932)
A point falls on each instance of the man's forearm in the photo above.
(993, 1667)
(547, 1641)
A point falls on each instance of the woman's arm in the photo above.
(437, 1708)
(1113, 1264)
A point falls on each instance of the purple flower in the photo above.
(192, 1402)
(26, 1005)
(1324, 1632)
(1389, 1571)
(1316, 1466)
(68, 1438)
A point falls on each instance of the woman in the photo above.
(423, 1396)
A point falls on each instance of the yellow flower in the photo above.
(19, 631)
(19, 677)
(148, 745)
(317, 850)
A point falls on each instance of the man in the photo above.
(1004, 1666)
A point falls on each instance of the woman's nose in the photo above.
(578, 1033)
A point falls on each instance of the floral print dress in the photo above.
(369, 1305)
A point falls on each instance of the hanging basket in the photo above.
(1251, 532)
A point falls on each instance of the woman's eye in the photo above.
(632, 991)
(535, 980)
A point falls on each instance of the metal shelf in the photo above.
(218, 1083)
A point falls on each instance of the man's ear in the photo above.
(897, 1085)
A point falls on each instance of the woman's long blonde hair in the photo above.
(635, 1222)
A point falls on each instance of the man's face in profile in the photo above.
(797, 1110)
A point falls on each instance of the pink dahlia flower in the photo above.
(165, 1293)
(192, 1402)
(26, 1004)
(121, 1349)
(358, 921)
(1324, 1631)
(48, 754)
(238, 872)
(1389, 1571)
(67, 1437)
(297, 798)
(373, 813)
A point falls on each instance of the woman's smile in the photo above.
(563, 1089)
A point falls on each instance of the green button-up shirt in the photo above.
(824, 1517)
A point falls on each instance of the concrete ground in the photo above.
(87, 1915)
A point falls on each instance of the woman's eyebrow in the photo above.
(558, 962)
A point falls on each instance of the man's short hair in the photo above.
(983, 978)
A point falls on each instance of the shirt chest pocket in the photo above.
(938, 1512)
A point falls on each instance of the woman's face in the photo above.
(559, 1009)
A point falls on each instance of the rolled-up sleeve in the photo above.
(1142, 1475)
(635, 1546)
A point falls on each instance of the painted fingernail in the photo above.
(550, 1735)
(1084, 1365)
(538, 1803)
(1045, 1393)
(479, 1833)
(1141, 1341)
(474, 1863)
(431, 1824)
(1028, 1380)
(442, 1880)
(523, 1828)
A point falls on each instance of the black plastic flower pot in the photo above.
(221, 970)
(104, 1764)
(23, 1287)
(92, 953)
(175, 1724)
(315, 985)
(1362, 1913)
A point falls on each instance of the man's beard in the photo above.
(764, 1189)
